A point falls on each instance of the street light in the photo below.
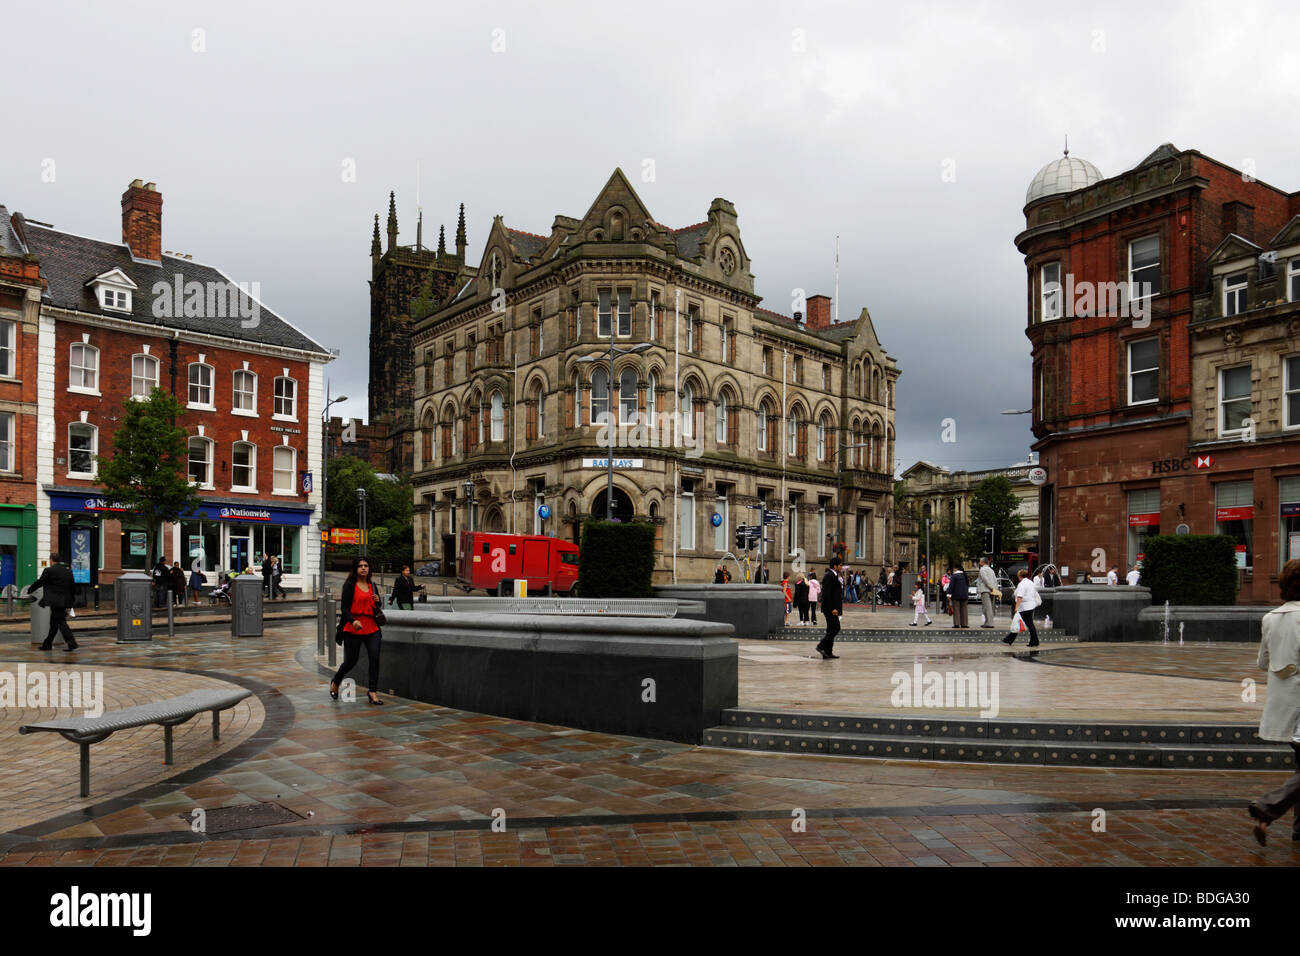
(469, 501)
(1013, 411)
(324, 471)
(361, 515)
(612, 351)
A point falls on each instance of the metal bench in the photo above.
(614, 607)
(85, 731)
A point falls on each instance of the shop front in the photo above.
(103, 539)
(18, 558)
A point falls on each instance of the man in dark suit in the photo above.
(266, 574)
(959, 594)
(832, 601)
(58, 597)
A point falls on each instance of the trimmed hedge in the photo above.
(1190, 569)
(617, 559)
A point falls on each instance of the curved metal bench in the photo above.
(169, 713)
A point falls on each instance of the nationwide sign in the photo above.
(245, 514)
(103, 504)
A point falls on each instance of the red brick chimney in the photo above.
(819, 312)
(142, 220)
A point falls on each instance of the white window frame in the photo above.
(276, 470)
(792, 434)
(619, 313)
(1143, 371)
(86, 350)
(1049, 293)
(7, 451)
(822, 431)
(211, 386)
(595, 416)
(8, 350)
(604, 313)
(821, 529)
(252, 466)
(152, 382)
(277, 399)
(94, 450)
(209, 461)
(720, 427)
(235, 393)
(497, 411)
(688, 411)
(627, 409)
(114, 300)
(1290, 387)
(1235, 289)
(540, 394)
(1132, 295)
(1293, 280)
(760, 423)
(1232, 432)
(722, 506)
(687, 527)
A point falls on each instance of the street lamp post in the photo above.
(324, 470)
(469, 502)
(612, 351)
(361, 515)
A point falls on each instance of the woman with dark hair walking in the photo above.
(360, 618)
(1279, 655)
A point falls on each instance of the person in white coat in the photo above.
(1279, 655)
(1026, 600)
(985, 585)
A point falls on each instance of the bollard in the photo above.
(171, 621)
(11, 600)
(320, 624)
(329, 635)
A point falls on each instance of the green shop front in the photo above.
(19, 562)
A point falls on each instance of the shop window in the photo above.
(1234, 513)
(1289, 499)
(1143, 521)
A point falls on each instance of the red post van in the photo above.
(487, 560)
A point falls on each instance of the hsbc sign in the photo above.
(1164, 466)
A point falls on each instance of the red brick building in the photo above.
(1162, 308)
(20, 302)
(117, 319)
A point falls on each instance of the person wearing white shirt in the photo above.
(1026, 601)
(1133, 577)
(1112, 577)
(1279, 656)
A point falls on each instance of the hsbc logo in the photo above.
(1204, 461)
(1167, 465)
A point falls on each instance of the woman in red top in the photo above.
(357, 626)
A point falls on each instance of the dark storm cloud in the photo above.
(911, 132)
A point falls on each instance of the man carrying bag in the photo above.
(57, 595)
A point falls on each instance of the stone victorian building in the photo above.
(724, 407)
(935, 492)
(1164, 315)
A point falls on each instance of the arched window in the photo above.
(599, 396)
(823, 430)
(426, 437)
(201, 462)
(651, 399)
(243, 467)
(536, 426)
(720, 432)
(791, 431)
(688, 411)
(855, 439)
(875, 385)
(760, 426)
(286, 399)
(83, 369)
(797, 435)
(283, 464)
(144, 375)
(627, 396)
(877, 448)
(200, 385)
(448, 428)
(83, 444)
(857, 380)
(498, 417)
(244, 399)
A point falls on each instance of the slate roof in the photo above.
(527, 244)
(689, 239)
(836, 333)
(68, 262)
(9, 242)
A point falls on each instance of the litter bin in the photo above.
(40, 618)
(246, 613)
(133, 596)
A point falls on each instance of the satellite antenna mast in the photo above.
(419, 211)
(837, 279)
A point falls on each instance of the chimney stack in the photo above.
(142, 220)
(819, 312)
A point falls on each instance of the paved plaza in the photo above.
(416, 784)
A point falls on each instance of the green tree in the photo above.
(389, 508)
(901, 504)
(994, 505)
(148, 471)
(947, 544)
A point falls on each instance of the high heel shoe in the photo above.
(334, 691)
(373, 699)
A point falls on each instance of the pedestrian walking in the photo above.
(162, 582)
(1279, 655)
(832, 598)
(1052, 579)
(985, 584)
(1134, 576)
(1026, 601)
(177, 584)
(814, 592)
(1112, 576)
(196, 579)
(277, 572)
(266, 574)
(789, 599)
(404, 589)
(918, 602)
(58, 595)
(360, 622)
(959, 593)
(801, 598)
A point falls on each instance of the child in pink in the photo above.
(918, 601)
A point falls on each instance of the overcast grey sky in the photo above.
(815, 119)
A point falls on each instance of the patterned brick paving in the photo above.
(423, 783)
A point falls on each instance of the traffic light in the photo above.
(990, 541)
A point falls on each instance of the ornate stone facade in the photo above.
(724, 406)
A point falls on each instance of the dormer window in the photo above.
(1234, 293)
(1293, 280)
(113, 290)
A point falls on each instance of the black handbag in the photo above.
(380, 618)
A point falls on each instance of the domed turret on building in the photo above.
(1063, 175)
